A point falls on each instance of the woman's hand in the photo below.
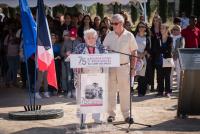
(57, 57)
(68, 53)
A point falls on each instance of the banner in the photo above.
(93, 93)
(94, 60)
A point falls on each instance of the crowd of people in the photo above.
(80, 34)
(155, 43)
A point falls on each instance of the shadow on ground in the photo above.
(176, 125)
(67, 129)
(149, 96)
(20, 97)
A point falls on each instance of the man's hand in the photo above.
(133, 72)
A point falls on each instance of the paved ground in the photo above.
(158, 112)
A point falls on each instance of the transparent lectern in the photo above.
(91, 80)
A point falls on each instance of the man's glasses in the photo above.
(114, 23)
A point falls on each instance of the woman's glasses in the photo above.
(142, 26)
(176, 29)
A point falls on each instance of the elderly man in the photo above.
(123, 41)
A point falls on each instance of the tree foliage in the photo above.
(186, 6)
(197, 7)
(134, 13)
(100, 10)
(163, 9)
(116, 8)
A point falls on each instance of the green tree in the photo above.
(148, 9)
(196, 7)
(100, 10)
(186, 6)
(134, 13)
(116, 8)
(163, 10)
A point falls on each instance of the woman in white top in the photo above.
(143, 41)
(178, 42)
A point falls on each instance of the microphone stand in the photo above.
(131, 121)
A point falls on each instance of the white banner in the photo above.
(94, 60)
(93, 93)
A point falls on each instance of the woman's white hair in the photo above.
(118, 18)
(90, 31)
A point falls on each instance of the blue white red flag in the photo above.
(44, 46)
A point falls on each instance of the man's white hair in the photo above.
(90, 31)
(118, 18)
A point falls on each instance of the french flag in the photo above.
(45, 57)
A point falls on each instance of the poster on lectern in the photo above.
(93, 93)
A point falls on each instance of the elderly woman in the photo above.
(91, 46)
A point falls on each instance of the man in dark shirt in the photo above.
(191, 34)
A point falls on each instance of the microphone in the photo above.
(111, 50)
(139, 63)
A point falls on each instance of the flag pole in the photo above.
(35, 75)
(27, 74)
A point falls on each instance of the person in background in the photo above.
(142, 18)
(125, 16)
(85, 25)
(107, 22)
(23, 70)
(177, 21)
(67, 22)
(12, 46)
(127, 26)
(155, 50)
(102, 33)
(143, 41)
(91, 46)
(64, 72)
(191, 34)
(42, 75)
(102, 24)
(96, 25)
(184, 20)
(62, 19)
(166, 52)
(74, 22)
(2, 16)
(80, 17)
(68, 47)
(198, 23)
(178, 42)
(123, 41)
